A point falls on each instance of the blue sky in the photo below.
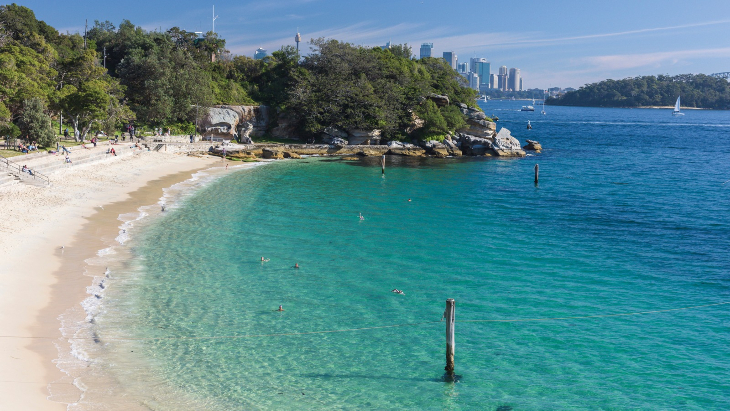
(564, 43)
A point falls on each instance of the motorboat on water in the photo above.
(527, 108)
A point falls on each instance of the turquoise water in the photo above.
(631, 214)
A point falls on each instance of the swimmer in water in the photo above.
(280, 308)
(296, 265)
(263, 260)
(409, 200)
(361, 217)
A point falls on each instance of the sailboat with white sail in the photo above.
(676, 111)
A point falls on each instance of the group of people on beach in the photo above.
(33, 146)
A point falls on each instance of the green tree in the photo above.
(435, 126)
(35, 124)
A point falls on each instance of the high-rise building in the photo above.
(521, 84)
(480, 66)
(514, 79)
(450, 58)
(426, 49)
(386, 46)
(473, 80)
(492, 80)
(502, 78)
(462, 68)
(260, 53)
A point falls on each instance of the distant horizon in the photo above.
(566, 44)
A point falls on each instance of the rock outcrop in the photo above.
(272, 154)
(227, 122)
(440, 101)
(507, 146)
(332, 135)
(533, 145)
(363, 137)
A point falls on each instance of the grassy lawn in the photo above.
(10, 153)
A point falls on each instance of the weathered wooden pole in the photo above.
(537, 173)
(382, 163)
(450, 314)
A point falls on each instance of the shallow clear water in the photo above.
(631, 214)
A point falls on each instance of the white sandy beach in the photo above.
(35, 222)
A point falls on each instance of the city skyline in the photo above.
(565, 43)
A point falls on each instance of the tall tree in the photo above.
(35, 124)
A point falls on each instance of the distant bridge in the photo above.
(725, 75)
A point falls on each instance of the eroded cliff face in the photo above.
(228, 122)
(478, 138)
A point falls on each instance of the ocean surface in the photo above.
(631, 214)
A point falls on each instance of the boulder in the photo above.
(358, 137)
(269, 153)
(440, 101)
(245, 133)
(290, 154)
(507, 146)
(533, 145)
(398, 144)
(473, 145)
(350, 158)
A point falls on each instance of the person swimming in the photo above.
(361, 217)
(280, 308)
(296, 265)
(263, 260)
(397, 291)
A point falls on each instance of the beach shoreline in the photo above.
(77, 213)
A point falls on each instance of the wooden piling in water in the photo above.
(382, 163)
(450, 315)
(537, 173)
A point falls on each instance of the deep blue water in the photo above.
(630, 215)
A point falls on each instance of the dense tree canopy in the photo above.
(124, 73)
(698, 90)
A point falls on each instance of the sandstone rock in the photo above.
(332, 134)
(473, 145)
(269, 153)
(220, 122)
(290, 154)
(462, 105)
(533, 146)
(350, 158)
(416, 123)
(479, 128)
(227, 121)
(452, 148)
(506, 145)
(440, 101)
(363, 137)
(245, 133)
(408, 151)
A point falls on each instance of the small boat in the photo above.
(676, 111)
(527, 108)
